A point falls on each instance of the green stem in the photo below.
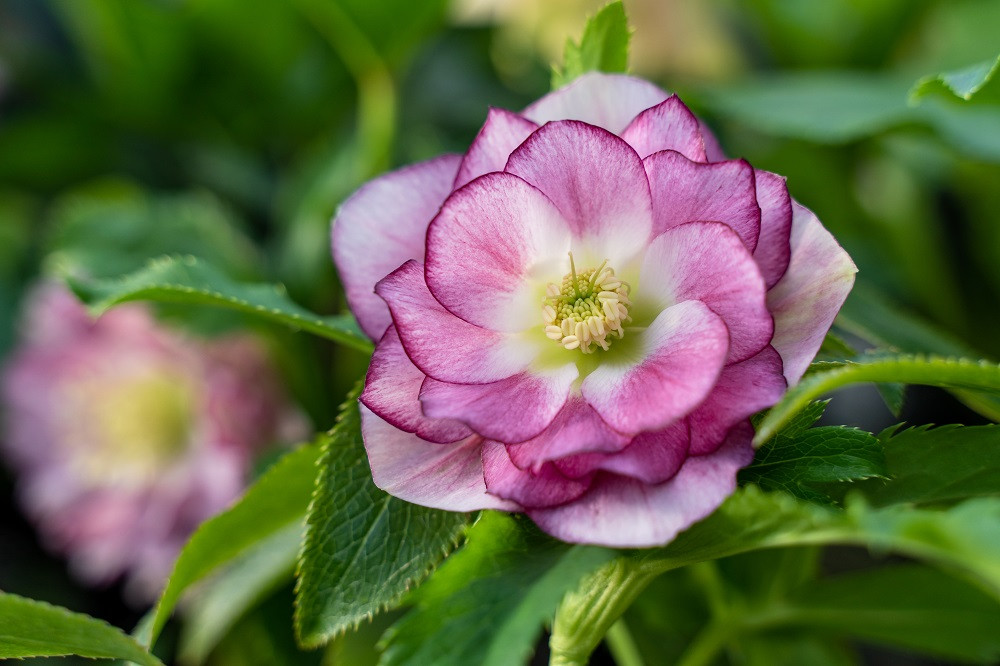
(706, 645)
(622, 646)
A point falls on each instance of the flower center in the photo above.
(587, 308)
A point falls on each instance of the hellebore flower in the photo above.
(125, 436)
(577, 318)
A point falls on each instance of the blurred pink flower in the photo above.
(125, 435)
(577, 318)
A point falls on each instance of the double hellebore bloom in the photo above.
(125, 435)
(577, 318)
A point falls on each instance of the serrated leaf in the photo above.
(801, 422)
(31, 628)
(938, 465)
(903, 368)
(962, 83)
(488, 603)
(276, 501)
(893, 394)
(363, 549)
(827, 454)
(603, 47)
(189, 280)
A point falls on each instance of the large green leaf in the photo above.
(191, 281)
(275, 502)
(603, 47)
(962, 83)
(363, 549)
(488, 603)
(938, 465)
(31, 628)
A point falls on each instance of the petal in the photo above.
(382, 225)
(742, 390)
(713, 150)
(486, 243)
(773, 248)
(706, 261)
(686, 191)
(510, 410)
(652, 457)
(544, 488)
(441, 476)
(808, 297)
(610, 101)
(502, 132)
(442, 345)
(626, 513)
(392, 390)
(577, 428)
(679, 359)
(669, 125)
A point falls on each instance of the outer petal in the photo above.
(595, 179)
(543, 488)
(652, 457)
(502, 132)
(680, 357)
(686, 191)
(669, 125)
(577, 428)
(392, 390)
(625, 513)
(485, 245)
(706, 261)
(382, 225)
(806, 300)
(773, 248)
(712, 147)
(610, 101)
(510, 410)
(742, 390)
(442, 345)
(441, 476)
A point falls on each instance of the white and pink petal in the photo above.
(543, 487)
(651, 457)
(774, 247)
(610, 101)
(502, 132)
(669, 125)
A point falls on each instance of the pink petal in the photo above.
(577, 428)
(686, 191)
(544, 488)
(484, 245)
(679, 359)
(808, 297)
(742, 390)
(392, 390)
(626, 513)
(669, 125)
(441, 476)
(595, 179)
(773, 248)
(502, 132)
(610, 101)
(713, 150)
(382, 225)
(440, 344)
(706, 261)
(652, 457)
(510, 410)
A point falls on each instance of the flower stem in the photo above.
(622, 645)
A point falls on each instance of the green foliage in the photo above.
(488, 602)
(36, 629)
(962, 83)
(188, 280)
(363, 549)
(603, 47)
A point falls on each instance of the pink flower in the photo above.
(576, 318)
(125, 436)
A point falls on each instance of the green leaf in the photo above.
(275, 502)
(938, 465)
(190, 281)
(488, 603)
(827, 454)
(363, 549)
(603, 48)
(31, 628)
(799, 423)
(907, 369)
(962, 83)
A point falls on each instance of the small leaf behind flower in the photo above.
(963, 83)
(603, 47)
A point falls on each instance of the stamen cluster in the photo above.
(586, 308)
